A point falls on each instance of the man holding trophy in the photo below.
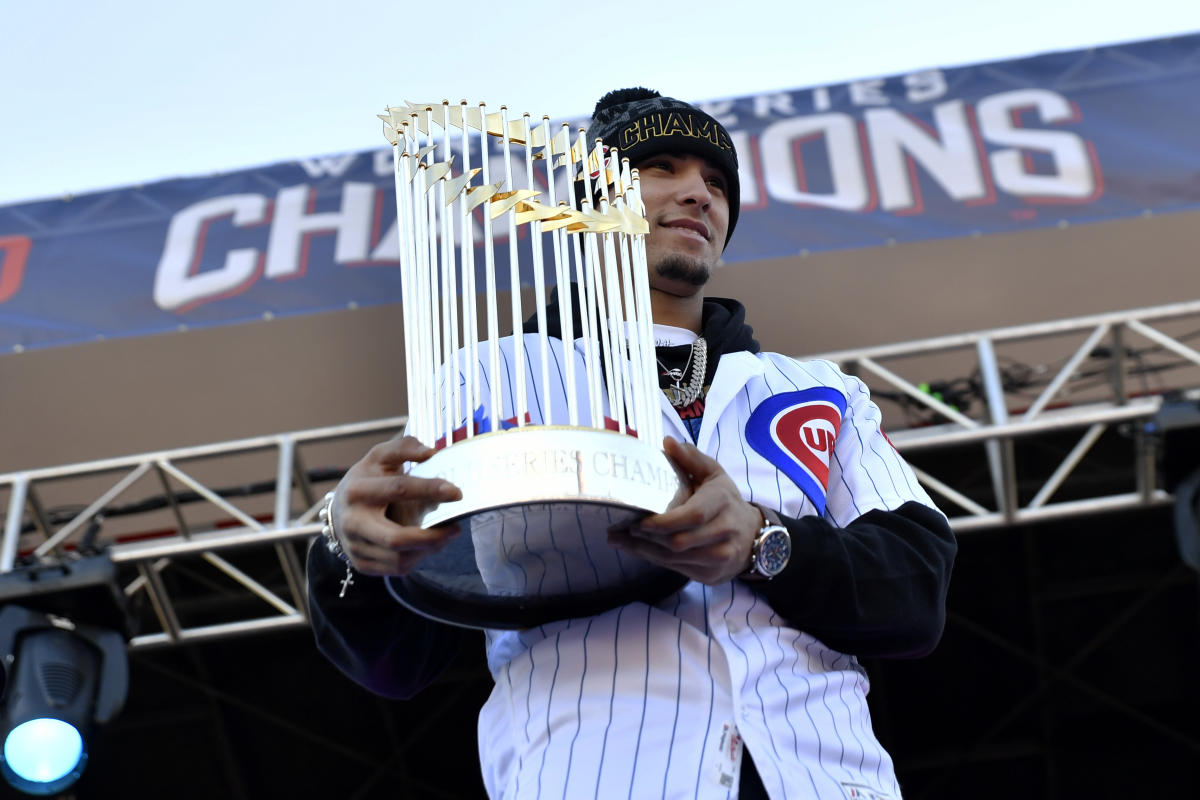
(795, 537)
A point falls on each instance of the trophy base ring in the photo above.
(537, 504)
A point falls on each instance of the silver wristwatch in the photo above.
(771, 550)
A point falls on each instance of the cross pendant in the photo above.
(346, 581)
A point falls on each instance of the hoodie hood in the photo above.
(723, 326)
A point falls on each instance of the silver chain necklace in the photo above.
(698, 362)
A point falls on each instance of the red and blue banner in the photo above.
(1070, 138)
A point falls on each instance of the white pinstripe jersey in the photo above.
(643, 701)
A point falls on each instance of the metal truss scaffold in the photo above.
(1106, 353)
(1074, 381)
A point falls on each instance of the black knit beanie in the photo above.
(642, 123)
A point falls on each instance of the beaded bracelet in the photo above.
(331, 541)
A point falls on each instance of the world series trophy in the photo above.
(553, 434)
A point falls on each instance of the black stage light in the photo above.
(64, 678)
(66, 668)
(1187, 520)
(1176, 430)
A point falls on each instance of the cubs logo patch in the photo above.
(796, 432)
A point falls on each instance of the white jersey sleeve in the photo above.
(865, 471)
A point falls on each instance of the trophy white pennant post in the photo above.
(552, 439)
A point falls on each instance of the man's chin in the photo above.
(683, 273)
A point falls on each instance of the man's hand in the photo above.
(376, 507)
(709, 536)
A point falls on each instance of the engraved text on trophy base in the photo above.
(538, 465)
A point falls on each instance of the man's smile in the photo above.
(689, 227)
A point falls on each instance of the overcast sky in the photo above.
(102, 95)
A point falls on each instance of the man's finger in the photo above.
(680, 561)
(387, 489)
(396, 451)
(690, 459)
(380, 551)
(377, 568)
(683, 540)
(391, 564)
(697, 510)
(383, 533)
(406, 557)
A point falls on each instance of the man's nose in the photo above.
(693, 187)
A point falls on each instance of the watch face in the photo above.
(774, 549)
